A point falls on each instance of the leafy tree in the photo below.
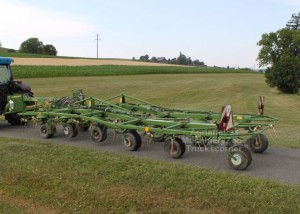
(189, 61)
(182, 60)
(198, 63)
(0, 44)
(294, 22)
(144, 58)
(172, 61)
(33, 46)
(281, 51)
(11, 51)
(50, 50)
(153, 59)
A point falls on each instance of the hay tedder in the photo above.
(236, 133)
(176, 128)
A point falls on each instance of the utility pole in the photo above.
(97, 38)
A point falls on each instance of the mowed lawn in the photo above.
(191, 91)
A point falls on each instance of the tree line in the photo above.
(180, 60)
(34, 46)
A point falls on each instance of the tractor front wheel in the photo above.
(13, 119)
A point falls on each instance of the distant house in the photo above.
(161, 59)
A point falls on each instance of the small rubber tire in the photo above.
(258, 144)
(176, 145)
(240, 157)
(44, 132)
(98, 133)
(70, 130)
(131, 141)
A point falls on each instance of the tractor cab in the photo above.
(5, 79)
(9, 86)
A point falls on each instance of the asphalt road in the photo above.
(281, 164)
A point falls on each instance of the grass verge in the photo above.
(46, 178)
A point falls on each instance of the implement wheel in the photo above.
(70, 130)
(174, 148)
(258, 144)
(240, 157)
(44, 133)
(132, 141)
(98, 133)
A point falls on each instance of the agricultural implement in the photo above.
(132, 120)
(79, 112)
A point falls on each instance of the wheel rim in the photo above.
(128, 142)
(236, 159)
(173, 148)
(66, 131)
(96, 134)
(257, 143)
(44, 130)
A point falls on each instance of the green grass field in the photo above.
(190, 91)
(45, 178)
(22, 71)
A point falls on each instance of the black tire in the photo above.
(13, 119)
(44, 132)
(70, 130)
(258, 144)
(174, 148)
(240, 157)
(98, 133)
(132, 141)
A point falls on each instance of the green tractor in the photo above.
(9, 86)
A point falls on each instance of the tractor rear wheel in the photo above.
(132, 141)
(98, 133)
(174, 148)
(258, 144)
(240, 157)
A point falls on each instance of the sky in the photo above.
(218, 32)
